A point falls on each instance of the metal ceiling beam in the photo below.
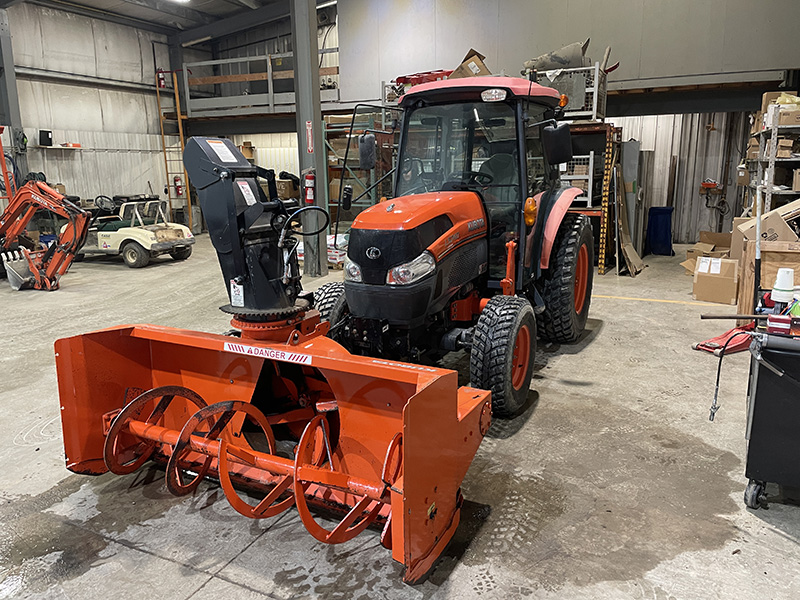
(234, 24)
(103, 15)
(174, 10)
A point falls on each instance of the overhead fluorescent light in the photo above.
(327, 4)
(181, 1)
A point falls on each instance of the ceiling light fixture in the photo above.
(327, 4)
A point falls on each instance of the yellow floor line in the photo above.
(651, 300)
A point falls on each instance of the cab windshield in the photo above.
(457, 146)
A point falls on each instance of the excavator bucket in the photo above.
(17, 270)
(301, 423)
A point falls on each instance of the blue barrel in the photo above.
(658, 239)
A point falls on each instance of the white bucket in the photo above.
(783, 290)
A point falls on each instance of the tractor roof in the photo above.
(516, 86)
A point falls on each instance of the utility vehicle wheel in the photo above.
(181, 253)
(754, 496)
(566, 285)
(135, 256)
(503, 348)
(326, 296)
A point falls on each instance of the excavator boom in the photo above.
(27, 265)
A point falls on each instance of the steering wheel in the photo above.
(471, 177)
(421, 186)
(105, 203)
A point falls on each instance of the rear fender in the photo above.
(563, 199)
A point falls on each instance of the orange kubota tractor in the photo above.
(277, 407)
(476, 249)
(24, 261)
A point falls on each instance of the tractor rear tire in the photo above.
(326, 296)
(503, 350)
(181, 253)
(566, 285)
(135, 256)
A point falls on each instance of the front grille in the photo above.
(463, 265)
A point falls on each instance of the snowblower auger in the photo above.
(281, 410)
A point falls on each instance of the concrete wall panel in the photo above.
(117, 52)
(68, 42)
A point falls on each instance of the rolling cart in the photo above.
(773, 416)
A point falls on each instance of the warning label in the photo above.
(270, 353)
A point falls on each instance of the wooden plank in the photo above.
(228, 78)
(290, 74)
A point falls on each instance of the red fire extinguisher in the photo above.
(178, 185)
(309, 184)
(162, 79)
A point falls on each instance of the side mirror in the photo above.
(347, 197)
(557, 143)
(366, 152)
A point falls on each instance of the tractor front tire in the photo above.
(503, 350)
(181, 253)
(135, 256)
(566, 285)
(325, 297)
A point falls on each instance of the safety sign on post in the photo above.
(309, 137)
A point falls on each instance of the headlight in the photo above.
(352, 272)
(412, 271)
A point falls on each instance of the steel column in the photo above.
(9, 100)
(309, 123)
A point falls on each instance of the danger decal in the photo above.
(270, 353)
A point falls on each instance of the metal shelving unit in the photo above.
(765, 177)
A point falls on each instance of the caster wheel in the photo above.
(754, 495)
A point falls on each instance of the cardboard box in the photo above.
(471, 66)
(333, 191)
(785, 146)
(247, 150)
(755, 127)
(716, 280)
(770, 97)
(789, 117)
(796, 181)
(716, 245)
(774, 255)
(287, 189)
(773, 225)
(689, 264)
(742, 176)
(737, 238)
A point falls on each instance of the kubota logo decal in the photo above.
(271, 353)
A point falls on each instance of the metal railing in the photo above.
(249, 85)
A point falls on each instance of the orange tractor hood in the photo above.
(408, 212)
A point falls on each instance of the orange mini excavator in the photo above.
(275, 407)
(24, 261)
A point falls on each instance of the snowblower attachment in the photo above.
(281, 410)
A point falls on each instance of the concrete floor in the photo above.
(613, 484)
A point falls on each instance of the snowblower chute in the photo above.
(279, 410)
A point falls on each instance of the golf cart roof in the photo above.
(517, 87)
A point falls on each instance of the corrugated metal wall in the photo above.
(276, 151)
(117, 128)
(698, 142)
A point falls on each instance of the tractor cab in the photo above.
(472, 230)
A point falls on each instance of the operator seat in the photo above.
(504, 171)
